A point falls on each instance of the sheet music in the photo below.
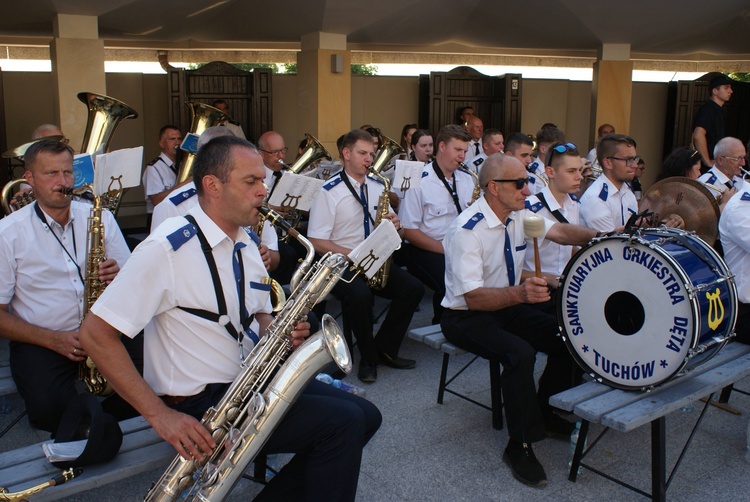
(408, 175)
(63, 452)
(375, 250)
(295, 191)
(83, 170)
(117, 170)
(325, 170)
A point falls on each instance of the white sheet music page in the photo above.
(324, 170)
(295, 191)
(408, 174)
(375, 250)
(64, 452)
(117, 170)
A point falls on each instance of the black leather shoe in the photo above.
(368, 373)
(396, 362)
(522, 461)
(557, 427)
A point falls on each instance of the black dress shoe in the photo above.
(522, 461)
(368, 373)
(396, 362)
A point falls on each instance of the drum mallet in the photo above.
(533, 226)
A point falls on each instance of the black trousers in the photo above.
(429, 268)
(46, 381)
(326, 429)
(357, 300)
(742, 328)
(513, 336)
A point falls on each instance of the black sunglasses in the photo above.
(520, 182)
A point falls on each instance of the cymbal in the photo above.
(689, 199)
(20, 151)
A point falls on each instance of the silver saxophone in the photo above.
(272, 378)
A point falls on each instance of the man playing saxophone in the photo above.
(341, 217)
(42, 280)
(174, 284)
(428, 210)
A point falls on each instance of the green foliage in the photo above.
(244, 66)
(291, 68)
(364, 69)
(742, 77)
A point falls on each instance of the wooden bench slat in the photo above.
(418, 334)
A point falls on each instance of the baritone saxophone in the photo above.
(272, 377)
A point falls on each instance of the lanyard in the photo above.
(39, 213)
(364, 203)
(451, 190)
(556, 213)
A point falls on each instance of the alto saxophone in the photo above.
(380, 279)
(272, 378)
(94, 287)
(477, 189)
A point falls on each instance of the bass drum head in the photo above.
(625, 312)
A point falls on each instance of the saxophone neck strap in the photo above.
(222, 317)
(556, 213)
(451, 189)
(40, 214)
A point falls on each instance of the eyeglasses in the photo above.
(629, 161)
(736, 159)
(275, 152)
(520, 182)
(561, 148)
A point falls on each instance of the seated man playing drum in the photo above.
(487, 312)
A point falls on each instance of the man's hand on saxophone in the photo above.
(108, 269)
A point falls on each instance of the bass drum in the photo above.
(638, 310)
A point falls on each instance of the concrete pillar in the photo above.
(77, 56)
(612, 88)
(325, 88)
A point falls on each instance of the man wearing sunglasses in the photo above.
(609, 202)
(487, 309)
(729, 160)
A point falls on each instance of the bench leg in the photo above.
(578, 453)
(443, 376)
(658, 460)
(496, 393)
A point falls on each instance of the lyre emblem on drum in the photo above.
(367, 262)
(405, 184)
(290, 201)
(715, 309)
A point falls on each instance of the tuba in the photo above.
(380, 279)
(383, 156)
(202, 116)
(272, 378)
(314, 151)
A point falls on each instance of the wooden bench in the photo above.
(432, 336)
(626, 410)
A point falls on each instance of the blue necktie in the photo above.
(240, 291)
(510, 264)
(365, 209)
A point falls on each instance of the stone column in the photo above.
(612, 88)
(77, 56)
(324, 86)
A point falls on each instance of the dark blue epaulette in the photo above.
(157, 159)
(574, 197)
(478, 162)
(712, 179)
(604, 192)
(534, 208)
(532, 167)
(253, 236)
(532, 180)
(181, 236)
(745, 196)
(333, 181)
(469, 225)
(182, 196)
(425, 174)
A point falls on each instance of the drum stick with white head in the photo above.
(533, 226)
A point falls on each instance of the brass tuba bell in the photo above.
(388, 149)
(202, 116)
(314, 151)
(105, 115)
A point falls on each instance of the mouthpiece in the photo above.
(82, 192)
(533, 226)
(276, 219)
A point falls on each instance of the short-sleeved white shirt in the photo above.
(552, 256)
(474, 252)
(430, 207)
(184, 352)
(734, 229)
(157, 177)
(537, 176)
(604, 207)
(38, 279)
(718, 179)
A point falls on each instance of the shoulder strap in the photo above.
(556, 213)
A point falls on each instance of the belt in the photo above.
(174, 400)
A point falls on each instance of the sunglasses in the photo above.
(561, 148)
(520, 182)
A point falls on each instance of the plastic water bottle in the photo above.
(340, 384)
(573, 443)
(5, 406)
(688, 408)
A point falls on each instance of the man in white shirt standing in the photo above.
(160, 175)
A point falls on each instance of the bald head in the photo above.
(475, 127)
(211, 133)
(45, 130)
(500, 166)
(272, 149)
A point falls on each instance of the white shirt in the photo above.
(734, 229)
(157, 177)
(185, 198)
(604, 207)
(474, 252)
(184, 352)
(270, 180)
(430, 207)
(38, 279)
(472, 151)
(718, 179)
(235, 128)
(336, 215)
(475, 164)
(537, 176)
(552, 256)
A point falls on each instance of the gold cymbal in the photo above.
(689, 199)
(20, 151)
